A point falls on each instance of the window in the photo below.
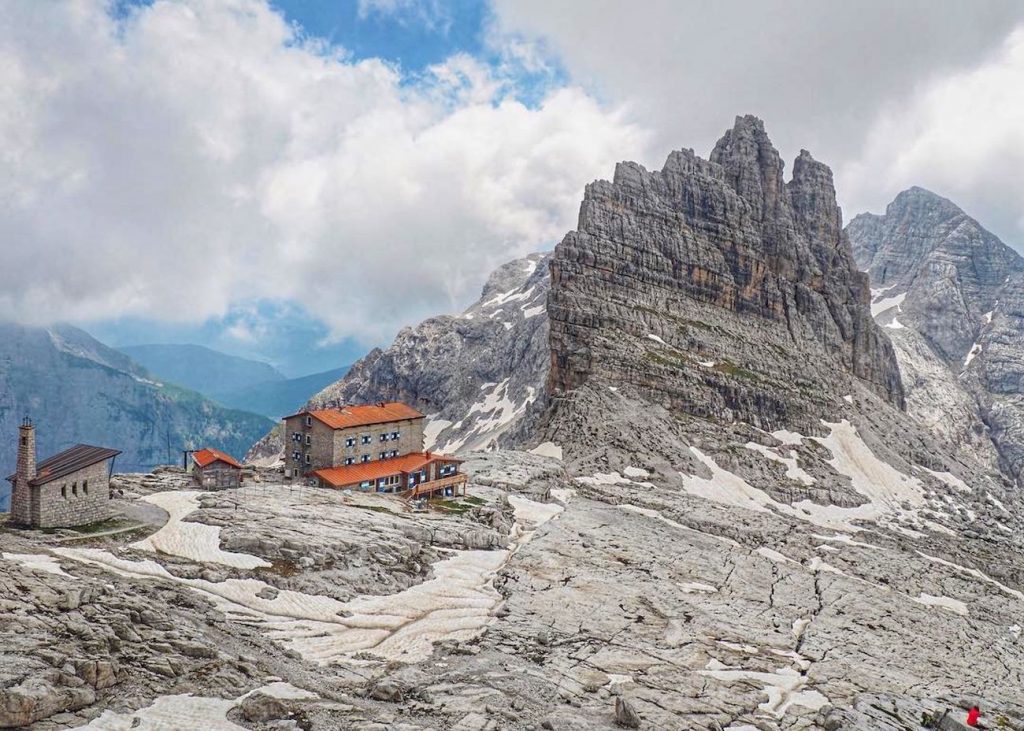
(308, 459)
(309, 421)
(394, 453)
(365, 484)
(309, 439)
(64, 491)
(366, 458)
(366, 438)
(383, 437)
(296, 456)
(74, 489)
(350, 442)
(350, 460)
(296, 437)
(85, 486)
(394, 435)
(383, 455)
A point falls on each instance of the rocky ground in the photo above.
(544, 601)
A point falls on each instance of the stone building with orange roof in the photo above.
(216, 469)
(376, 447)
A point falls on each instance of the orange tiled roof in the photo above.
(363, 414)
(208, 456)
(353, 474)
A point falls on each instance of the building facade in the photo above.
(68, 489)
(214, 469)
(420, 474)
(350, 435)
(370, 447)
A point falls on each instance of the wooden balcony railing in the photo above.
(426, 488)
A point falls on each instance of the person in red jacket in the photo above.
(972, 717)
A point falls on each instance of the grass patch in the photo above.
(731, 369)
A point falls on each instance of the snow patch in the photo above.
(37, 562)
(881, 304)
(529, 312)
(196, 541)
(656, 339)
(975, 349)
(696, 587)
(952, 605)
(950, 479)
(793, 470)
(547, 449)
(432, 430)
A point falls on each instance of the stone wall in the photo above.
(410, 439)
(328, 447)
(77, 499)
(217, 474)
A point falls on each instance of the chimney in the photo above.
(26, 451)
(21, 495)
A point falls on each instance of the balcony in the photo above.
(427, 489)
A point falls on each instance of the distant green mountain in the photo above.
(280, 398)
(201, 369)
(76, 389)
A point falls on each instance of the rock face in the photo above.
(951, 295)
(78, 390)
(744, 282)
(479, 376)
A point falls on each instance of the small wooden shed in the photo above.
(213, 468)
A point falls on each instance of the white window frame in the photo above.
(366, 458)
(309, 421)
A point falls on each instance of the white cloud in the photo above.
(818, 73)
(962, 136)
(200, 154)
(432, 14)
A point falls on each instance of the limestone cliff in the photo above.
(717, 289)
(939, 277)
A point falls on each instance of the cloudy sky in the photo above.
(296, 180)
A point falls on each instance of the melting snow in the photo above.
(950, 479)
(189, 713)
(196, 541)
(529, 312)
(784, 688)
(547, 449)
(37, 562)
(975, 349)
(454, 604)
(695, 587)
(953, 605)
(793, 470)
(656, 339)
(976, 574)
(880, 305)
(432, 430)
(896, 325)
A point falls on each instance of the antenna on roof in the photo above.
(26, 421)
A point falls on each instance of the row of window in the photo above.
(366, 438)
(297, 457)
(296, 437)
(74, 489)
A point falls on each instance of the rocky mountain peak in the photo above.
(751, 164)
(680, 281)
